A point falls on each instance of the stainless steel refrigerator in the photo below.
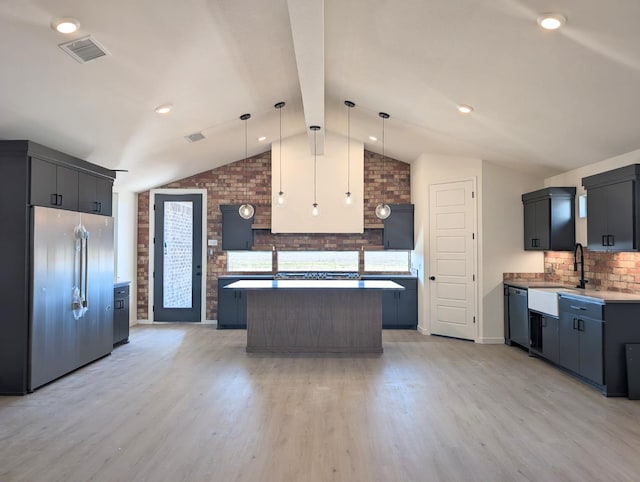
(72, 292)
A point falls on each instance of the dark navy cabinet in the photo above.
(399, 308)
(613, 215)
(237, 233)
(94, 195)
(550, 338)
(549, 219)
(580, 339)
(53, 185)
(398, 227)
(232, 304)
(121, 313)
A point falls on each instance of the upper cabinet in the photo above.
(549, 219)
(398, 227)
(57, 180)
(53, 185)
(613, 214)
(94, 194)
(236, 231)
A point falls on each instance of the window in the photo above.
(249, 261)
(397, 261)
(318, 261)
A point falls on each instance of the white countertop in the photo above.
(315, 284)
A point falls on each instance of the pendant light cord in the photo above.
(384, 116)
(348, 148)
(280, 109)
(245, 159)
(384, 166)
(315, 165)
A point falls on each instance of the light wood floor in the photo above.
(187, 403)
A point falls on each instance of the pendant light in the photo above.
(348, 200)
(383, 210)
(316, 210)
(246, 210)
(280, 199)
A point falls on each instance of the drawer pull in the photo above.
(574, 307)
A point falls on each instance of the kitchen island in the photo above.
(314, 316)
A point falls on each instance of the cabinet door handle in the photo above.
(580, 325)
(53, 200)
(59, 199)
(574, 307)
(611, 240)
(432, 278)
(575, 323)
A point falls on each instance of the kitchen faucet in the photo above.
(583, 281)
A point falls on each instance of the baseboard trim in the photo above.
(423, 331)
(490, 341)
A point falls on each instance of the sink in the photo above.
(545, 300)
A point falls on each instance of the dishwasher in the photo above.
(518, 316)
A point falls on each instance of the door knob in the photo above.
(432, 278)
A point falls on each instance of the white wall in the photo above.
(429, 169)
(574, 178)
(502, 241)
(297, 184)
(500, 232)
(126, 221)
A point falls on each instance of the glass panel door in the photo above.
(178, 257)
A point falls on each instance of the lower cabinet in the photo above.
(581, 346)
(232, 304)
(550, 338)
(589, 339)
(399, 308)
(120, 313)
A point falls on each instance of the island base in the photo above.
(314, 321)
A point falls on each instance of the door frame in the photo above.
(152, 228)
(476, 287)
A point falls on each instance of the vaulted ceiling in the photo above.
(545, 101)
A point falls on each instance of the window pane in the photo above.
(318, 261)
(387, 261)
(178, 254)
(248, 261)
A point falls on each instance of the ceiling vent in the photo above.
(84, 49)
(198, 136)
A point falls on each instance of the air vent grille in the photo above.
(84, 49)
(198, 136)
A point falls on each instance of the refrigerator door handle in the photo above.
(86, 268)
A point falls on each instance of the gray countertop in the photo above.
(315, 284)
(526, 284)
(572, 292)
(600, 296)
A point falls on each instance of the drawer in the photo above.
(121, 292)
(582, 308)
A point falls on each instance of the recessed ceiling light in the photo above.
(163, 109)
(465, 109)
(65, 25)
(262, 138)
(551, 21)
(373, 138)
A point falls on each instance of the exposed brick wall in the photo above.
(226, 185)
(604, 271)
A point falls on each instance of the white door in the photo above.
(452, 288)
